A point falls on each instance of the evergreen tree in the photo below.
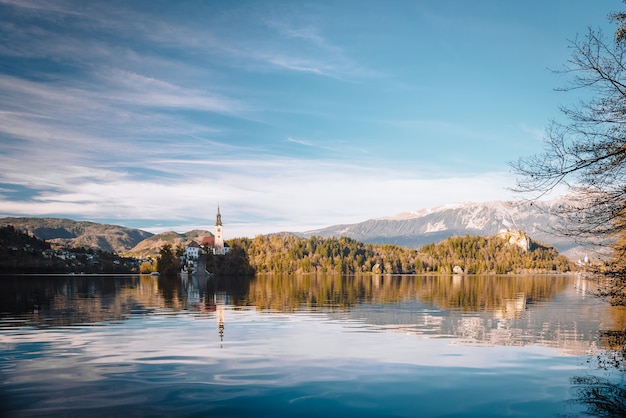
(168, 263)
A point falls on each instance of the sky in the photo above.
(289, 115)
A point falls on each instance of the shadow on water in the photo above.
(604, 396)
(600, 396)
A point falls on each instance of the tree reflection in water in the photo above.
(604, 397)
(505, 310)
(615, 355)
(601, 396)
(467, 293)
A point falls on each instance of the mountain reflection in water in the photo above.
(503, 310)
(306, 345)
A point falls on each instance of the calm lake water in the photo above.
(307, 346)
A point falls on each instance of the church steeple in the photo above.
(219, 234)
(218, 220)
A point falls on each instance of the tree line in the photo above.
(472, 254)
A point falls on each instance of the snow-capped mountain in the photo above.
(415, 229)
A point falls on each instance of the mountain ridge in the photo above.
(71, 233)
(410, 229)
(425, 226)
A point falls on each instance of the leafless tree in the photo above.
(585, 149)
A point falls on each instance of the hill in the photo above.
(409, 229)
(69, 233)
(21, 253)
(112, 238)
(509, 252)
(426, 226)
(151, 246)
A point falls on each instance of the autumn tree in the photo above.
(168, 262)
(146, 267)
(585, 151)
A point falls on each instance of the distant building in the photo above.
(192, 250)
(214, 244)
(208, 242)
(211, 244)
(218, 247)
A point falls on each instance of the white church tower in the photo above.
(218, 248)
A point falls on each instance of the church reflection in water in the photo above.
(492, 310)
(199, 295)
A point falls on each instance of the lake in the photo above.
(308, 346)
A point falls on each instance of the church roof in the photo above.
(208, 241)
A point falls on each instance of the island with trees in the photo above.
(468, 254)
(512, 252)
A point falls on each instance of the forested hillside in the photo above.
(489, 255)
(474, 255)
(23, 253)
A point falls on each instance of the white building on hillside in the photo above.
(192, 250)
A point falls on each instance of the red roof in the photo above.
(208, 241)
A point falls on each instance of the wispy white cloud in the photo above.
(42, 5)
(299, 64)
(296, 48)
(334, 148)
(446, 127)
(300, 141)
(295, 195)
(534, 133)
(115, 120)
(306, 31)
(105, 93)
(139, 90)
(141, 116)
(322, 57)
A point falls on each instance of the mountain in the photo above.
(111, 238)
(152, 245)
(66, 232)
(415, 229)
(410, 229)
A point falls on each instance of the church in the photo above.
(212, 244)
(215, 243)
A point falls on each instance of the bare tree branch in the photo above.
(587, 152)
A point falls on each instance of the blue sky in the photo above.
(289, 115)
